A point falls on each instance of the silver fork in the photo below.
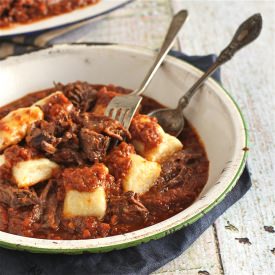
(123, 108)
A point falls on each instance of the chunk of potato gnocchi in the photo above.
(85, 191)
(85, 203)
(150, 141)
(133, 171)
(30, 172)
(13, 127)
(141, 175)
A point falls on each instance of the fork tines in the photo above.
(123, 108)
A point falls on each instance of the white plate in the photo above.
(93, 11)
(212, 112)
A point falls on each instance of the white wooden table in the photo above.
(250, 79)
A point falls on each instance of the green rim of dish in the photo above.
(157, 235)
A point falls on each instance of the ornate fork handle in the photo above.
(246, 33)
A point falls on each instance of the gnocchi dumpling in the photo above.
(30, 172)
(141, 175)
(13, 127)
(133, 171)
(85, 203)
(150, 141)
(85, 191)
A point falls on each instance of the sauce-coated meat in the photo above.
(94, 145)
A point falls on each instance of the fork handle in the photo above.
(247, 32)
(172, 32)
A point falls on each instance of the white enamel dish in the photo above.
(89, 12)
(212, 112)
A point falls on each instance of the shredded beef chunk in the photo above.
(41, 136)
(51, 214)
(59, 141)
(177, 170)
(68, 157)
(57, 127)
(127, 209)
(81, 94)
(57, 135)
(73, 139)
(94, 145)
(168, 202)
(104, 125)
(70, 138)
(177, 187)
(15, 197)
(70, 145)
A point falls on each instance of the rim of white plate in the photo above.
(95, 11)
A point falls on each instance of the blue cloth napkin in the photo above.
(142, 259)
